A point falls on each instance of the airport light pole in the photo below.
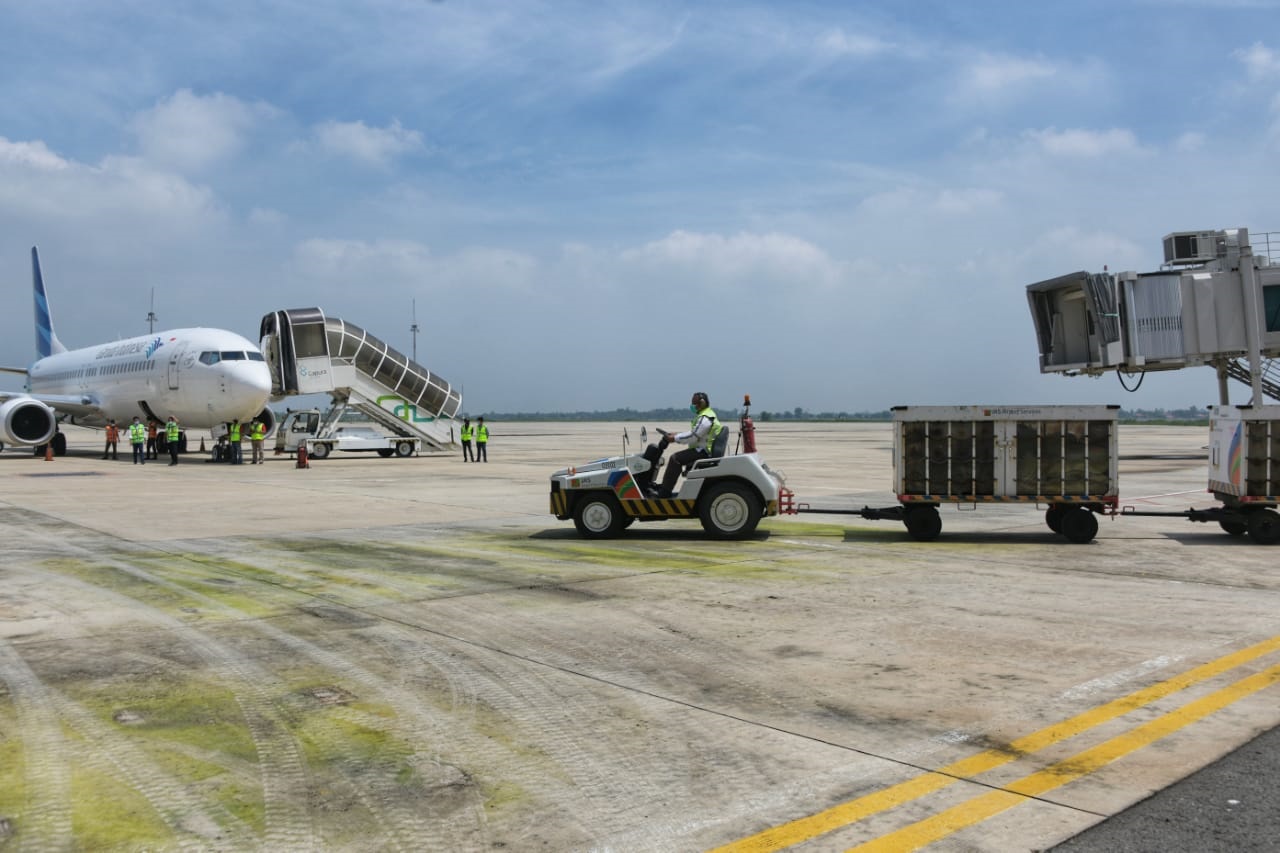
(413, 329)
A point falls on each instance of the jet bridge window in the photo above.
(1271, 306)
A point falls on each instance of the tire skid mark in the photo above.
(409, 830)
(184, 812)
(45, 757)
(283, 774)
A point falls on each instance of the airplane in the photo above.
(202, 377)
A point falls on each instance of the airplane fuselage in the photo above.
(203, 377)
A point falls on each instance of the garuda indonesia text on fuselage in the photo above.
(202, 377)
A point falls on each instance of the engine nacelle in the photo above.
(27, 422)
(268, 419)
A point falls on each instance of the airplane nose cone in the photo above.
(256, 380)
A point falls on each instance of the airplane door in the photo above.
(174, 360)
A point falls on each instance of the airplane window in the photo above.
(256, 356)
(231, 355)
(208, 358)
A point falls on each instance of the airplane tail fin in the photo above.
(47, 342)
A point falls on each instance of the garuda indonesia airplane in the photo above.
(202, 377)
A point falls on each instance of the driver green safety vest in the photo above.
(171, 432)
(258, 431)
(466, 432)
(234, 433)
(716, 426)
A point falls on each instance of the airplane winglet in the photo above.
(47, 342)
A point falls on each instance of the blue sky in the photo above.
(597, 205)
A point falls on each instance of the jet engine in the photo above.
(26, 421)
(268, 419)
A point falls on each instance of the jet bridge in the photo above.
(1215, 302)
(309, 353)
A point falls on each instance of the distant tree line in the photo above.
(1191, 414)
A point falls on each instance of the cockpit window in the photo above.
(209, 358)
(232, 355)
(256, 356)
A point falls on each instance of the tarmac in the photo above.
(374, 654)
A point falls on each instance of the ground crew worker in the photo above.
(482, 440)
(138, 439)
(700, 436)
(257, 433)
(171, 435)
(152, 448)
(113, 439)
(233, 436)
(465, 436)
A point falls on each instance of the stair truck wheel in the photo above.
(404, 449)
(923, 523)
(1264, 526)
(320, 450)
(1079, 525)
(386, 452)
(729, 511)
(1053, 517)
(598, 516)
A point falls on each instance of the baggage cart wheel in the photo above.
(1079, 525)
(1264, 526)
(1053, 517)
(923, 523)
(1235, 528)
(729, 511)
(598, 516)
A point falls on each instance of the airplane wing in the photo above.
(21, 371)
(76, 405)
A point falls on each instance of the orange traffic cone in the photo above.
(48, 452)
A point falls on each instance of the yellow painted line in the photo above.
(805, 828)
(1056, 775)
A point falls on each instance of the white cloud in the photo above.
(1260, 62)
(999, 74)
(413, 265)
(1190, 141)
(1084, 143)
(190, 132)
(741, 258)
(838, 42)
(33, 154)
(375, 146)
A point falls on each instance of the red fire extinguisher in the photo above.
(746, 427)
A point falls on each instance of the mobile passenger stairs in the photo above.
(310, 353)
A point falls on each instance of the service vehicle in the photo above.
(1061, 457)
(304, 429)
(727, 493)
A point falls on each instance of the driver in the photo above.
(702, 432)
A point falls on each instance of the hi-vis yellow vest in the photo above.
(716, 426)
(466, 432)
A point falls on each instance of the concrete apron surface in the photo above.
(380, 653)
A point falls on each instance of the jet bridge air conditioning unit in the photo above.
(1193, 247)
